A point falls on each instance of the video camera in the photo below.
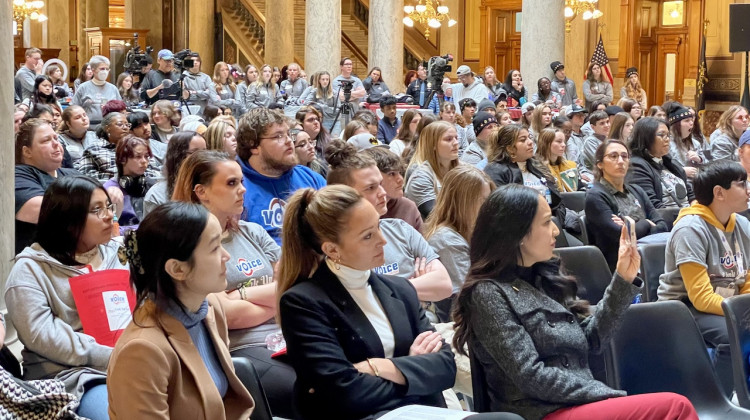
(135, 59)
(436, 68)
(183, 60)
(347, 86)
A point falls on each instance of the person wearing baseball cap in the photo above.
(469, 86)
(484, 124)
(364, 141)
(577, 116)
(197, 83)
(632, 88)
(565, 87)
(161, 83)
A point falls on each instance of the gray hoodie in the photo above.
(42, 309)
(476, 91)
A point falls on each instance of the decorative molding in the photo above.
(724, 85)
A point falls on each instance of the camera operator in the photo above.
(197, 83)
(358, 89)
(153, 86)
(148, 62)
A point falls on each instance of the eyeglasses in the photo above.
(312, 120)
(615, 155)
(311, 143)
(662, 134)
(742, 184)
(102, 212)
(125, 125)
(281, 137)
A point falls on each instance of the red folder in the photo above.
(105, 303)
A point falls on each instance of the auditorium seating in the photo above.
(249, 377)
(658, 348)
(737, 315)
(652, 267)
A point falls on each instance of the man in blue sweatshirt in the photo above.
(265, 151)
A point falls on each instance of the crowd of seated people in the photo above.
(272, 220)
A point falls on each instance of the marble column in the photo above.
(146, 14)
(542, 39)
(322, 36)
(201, 32)
(7, 154)
(386, 40)
(58, 30)
(279, 47)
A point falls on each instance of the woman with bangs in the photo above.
(223, 90)
(551, 151)
(311, 119)
(221, 135)
(406, 132)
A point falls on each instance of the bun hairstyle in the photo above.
(171, 230)
(311, 218)
(343, 158)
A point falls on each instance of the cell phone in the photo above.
(630, 225)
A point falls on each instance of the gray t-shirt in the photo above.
(336, 84)
(91, 97)
(155, 196)
(454, 254)
(423, 185)
(474, 154)
(252, 253)
(76, 148)
(694, 240)
(404, 244)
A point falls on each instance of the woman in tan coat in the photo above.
(172, 361)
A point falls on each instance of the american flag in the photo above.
(600, 58)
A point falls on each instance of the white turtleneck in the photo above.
(356, 283)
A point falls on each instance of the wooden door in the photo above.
(670, 68)
(506, 51)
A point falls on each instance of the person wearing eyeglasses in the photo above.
(74, 238)
(653, 169)
(304, 146)
(611, 199)
(99, 160)
(270, 168)
(706, 257)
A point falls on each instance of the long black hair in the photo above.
(503, 222)
(63, 215)
(171, 230)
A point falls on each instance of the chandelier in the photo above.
(429, 12)
(23, 9)
(586, 8)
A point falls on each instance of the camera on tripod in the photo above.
(436, 68)
(136, 59)
(183, 60)
(346, 86)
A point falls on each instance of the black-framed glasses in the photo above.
(616, 155)
(311, 143)
(123, 125)
(102, 212)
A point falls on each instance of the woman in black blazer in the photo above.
(652, 169)
(611, 198)
(359, 342)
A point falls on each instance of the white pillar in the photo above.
(386, 40)
(7, 153)
(279, 47)
(322, 36)
(542, 40)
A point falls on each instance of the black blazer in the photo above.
(647, 175)
(603, 232)
(503, 173)
(326, 333)
(414, 88)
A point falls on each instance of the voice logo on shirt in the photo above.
(274, 216)
(389, 269)
(728, 261)
(248, 267)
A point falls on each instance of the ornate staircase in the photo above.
(244, 21)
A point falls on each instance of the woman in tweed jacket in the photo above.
(523, 322)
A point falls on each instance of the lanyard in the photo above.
(739, 258)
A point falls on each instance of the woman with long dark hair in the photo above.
(596, 87)
(515, 290)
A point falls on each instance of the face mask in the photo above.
(102, 75)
